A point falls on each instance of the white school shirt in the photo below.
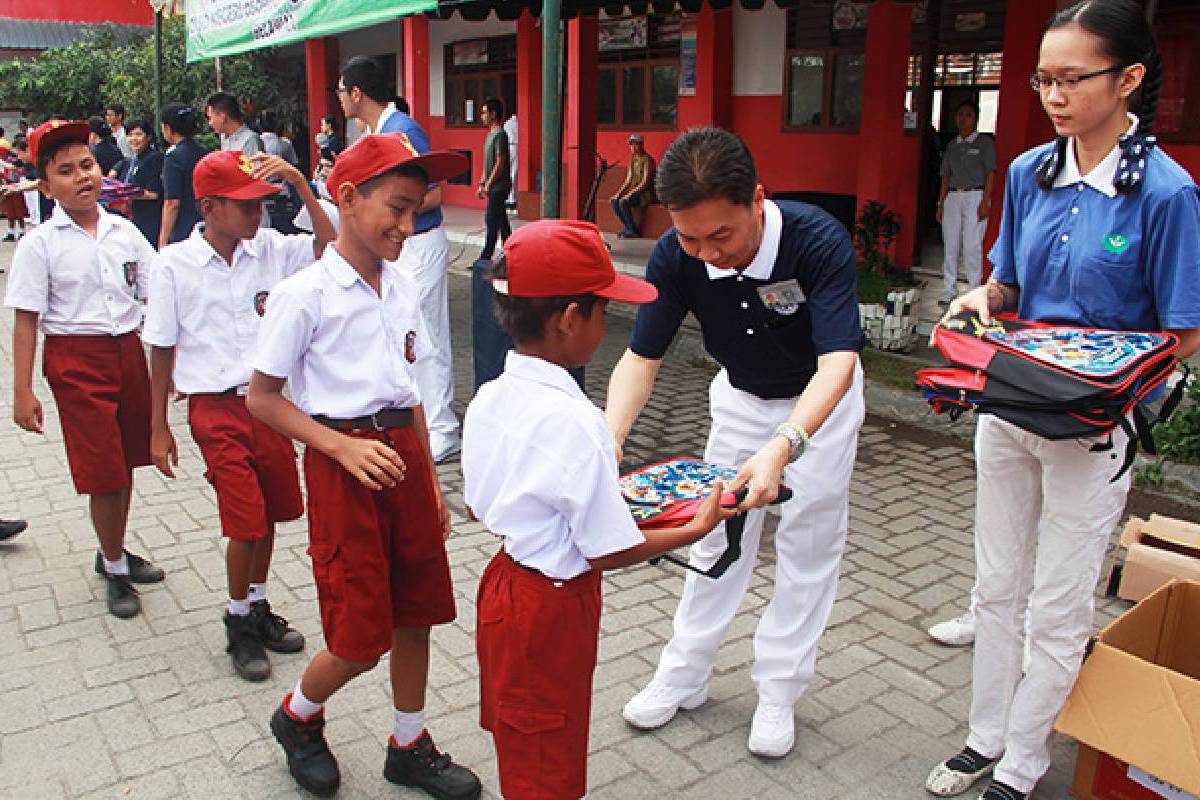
(346, 351)
(81, 285)
(209, 311)
(540, 470)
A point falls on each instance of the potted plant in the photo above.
(888, 297)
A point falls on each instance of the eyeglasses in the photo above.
(1040, 82)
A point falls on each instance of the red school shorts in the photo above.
(102, 388)
(251, 466)
(536, 639)
(378, 557)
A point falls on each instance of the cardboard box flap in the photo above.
(1138, 712)
(1132, 532)
(1174, 533)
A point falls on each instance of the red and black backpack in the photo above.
(1059, 382)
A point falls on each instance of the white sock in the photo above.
(258, 591)
(118, 567)
(301, 707)
(408, 726)
(238, 608)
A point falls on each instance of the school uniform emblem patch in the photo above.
(410, 347)
(260, 303)
(784, 297)
(1116, 243)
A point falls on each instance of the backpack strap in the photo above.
(734, 527)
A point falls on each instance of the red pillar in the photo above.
(321, 80)
(1021, 123)
(416, 67)
(713, 101)
(579, 118)
(881, 131)
(529, 115)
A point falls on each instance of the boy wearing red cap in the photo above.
(544, 479)
(82, 276)
(207, 300)
(345, 334)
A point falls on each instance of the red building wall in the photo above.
(125, 12)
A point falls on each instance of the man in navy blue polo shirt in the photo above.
(772, 285)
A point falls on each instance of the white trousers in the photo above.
(426, 257)
(809, 542)
(1044, 511)
(962, 235)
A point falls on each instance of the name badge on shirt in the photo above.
(260, 302)
(784, 297)
(972, 151)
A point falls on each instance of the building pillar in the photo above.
(881, 131)
(713, 102)
(321, 80)
(529, 115)
(579, 120)
(416, 67)
(1021, 123)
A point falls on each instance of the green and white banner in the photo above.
(225, 27)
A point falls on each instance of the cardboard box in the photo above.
(1157, 550)
(1137, 700)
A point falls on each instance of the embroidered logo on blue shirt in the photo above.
(1116, 243)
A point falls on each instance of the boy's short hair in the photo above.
(495, 105)
(116, 108)
(143, 125)
(99, 127)
(225, 103)
(47, 152)
(706, 164)
(180, 118)
(366, 74)
(971, 104)
(525, 318)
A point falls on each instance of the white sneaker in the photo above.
(958, 773)
(957, 632)
(773, 730)
(656, 705)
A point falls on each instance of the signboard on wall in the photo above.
(687, 59)
(623, 34)
(227, 27)
(472, 51)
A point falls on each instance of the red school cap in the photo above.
(229, 173)
(56, 130)
(375, 154)
(564, 257)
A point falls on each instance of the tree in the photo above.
(78, 80)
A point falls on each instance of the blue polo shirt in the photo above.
(1081, 257)
(765, 330)
(399, 122)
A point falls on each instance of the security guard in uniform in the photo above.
(965, 199)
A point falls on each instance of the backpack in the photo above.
(1059, 382)
(666, 494)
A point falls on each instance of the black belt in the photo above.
(230, 392)
(381, 420)
(966, 188)
(425, 230)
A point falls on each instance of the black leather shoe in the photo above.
(123, 600)
(274, 630)
(421, 765)
(140, 570)
(308, 756)
(245, 648)
(11, 527)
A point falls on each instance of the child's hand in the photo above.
(711, 513)
(163, 451)
(27, 412)
(269, 166)
(375, 464)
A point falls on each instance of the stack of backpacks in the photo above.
(1059, 382)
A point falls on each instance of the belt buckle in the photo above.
(375, 421)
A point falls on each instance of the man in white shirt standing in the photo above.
(114, 115)
(510, 130)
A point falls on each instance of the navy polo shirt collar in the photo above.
(763, 264)
(1102, 175)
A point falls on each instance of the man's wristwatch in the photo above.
(797, 439)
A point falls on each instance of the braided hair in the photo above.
(1127, 38)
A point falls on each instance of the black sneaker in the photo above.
(123, 600)
(245, 648)
(308, 756)
(1001, 791)
(274, 630)
(140, 570)
(11, 527)
(421, 765)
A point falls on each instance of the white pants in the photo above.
(35, 208)
(808, 544)
(962, 235)
(1043, 510)
(426, 257)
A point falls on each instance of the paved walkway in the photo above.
(92, 706)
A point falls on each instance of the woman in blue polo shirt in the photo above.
(1100, 228)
